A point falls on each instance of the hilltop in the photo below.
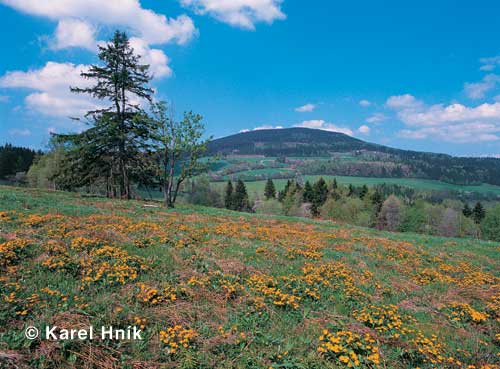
(365, 159)
(214, 288)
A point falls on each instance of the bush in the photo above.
(270, 207)
(491, 224)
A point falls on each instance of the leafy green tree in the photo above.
(119, 133)
(467, 211)
(228, 196)
(478, 213)
(178, 148)
(270, 190)
(240, 197)
(491, 224)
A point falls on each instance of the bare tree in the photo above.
(390, 215)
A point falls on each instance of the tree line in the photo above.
(371, 207)
(15, 160)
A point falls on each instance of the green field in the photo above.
(211, 288)
(420, 184)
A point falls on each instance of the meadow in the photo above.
(214, 288)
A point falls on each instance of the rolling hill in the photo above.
(367, 159)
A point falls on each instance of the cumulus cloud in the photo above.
(376, 118)
(152, 27)
(478, 90)
(51, 84)
(238, 13)
(364, 103)
(405, 101)
(74, 33)
(364, 129)
(156, 58)
(326, 126)
(307, 108)
(19, 132)
(454, 122)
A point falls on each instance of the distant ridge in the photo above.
(306, 142)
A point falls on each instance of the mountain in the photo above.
(372, 160)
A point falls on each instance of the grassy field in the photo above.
(420, 184)
(218, 289)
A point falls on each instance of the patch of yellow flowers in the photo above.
(177, 338)
(349, 349)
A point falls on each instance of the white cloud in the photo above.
(457, 133)
(453, 123)
(156, 58)
(364, 103)
(266, 127)
(19, 132)
(479, 89)
(326, 126)
(152, 27)
(260, 128)
(239, 13)
(307, 108)
(74, 33)
(52, 85)
(489, 64)
(364, 129)
(403, 101)
(376, 118)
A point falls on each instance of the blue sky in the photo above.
(422, 76)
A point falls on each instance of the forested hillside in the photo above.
(372, 160)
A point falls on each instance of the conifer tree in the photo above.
(363, 192)
(377, 201)
(308, 195)
(228, 195)
(467, 211)
(119, 133)
(270, 190)
(320, 194)
(240, 197)
(351, 190)
(282, 194)
(478, 213)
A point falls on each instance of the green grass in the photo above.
(250, 291)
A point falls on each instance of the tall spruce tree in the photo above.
(308, 195)
(240, 197)
(120, 132)
(270, 190)
(320, 195)
(228, 196)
